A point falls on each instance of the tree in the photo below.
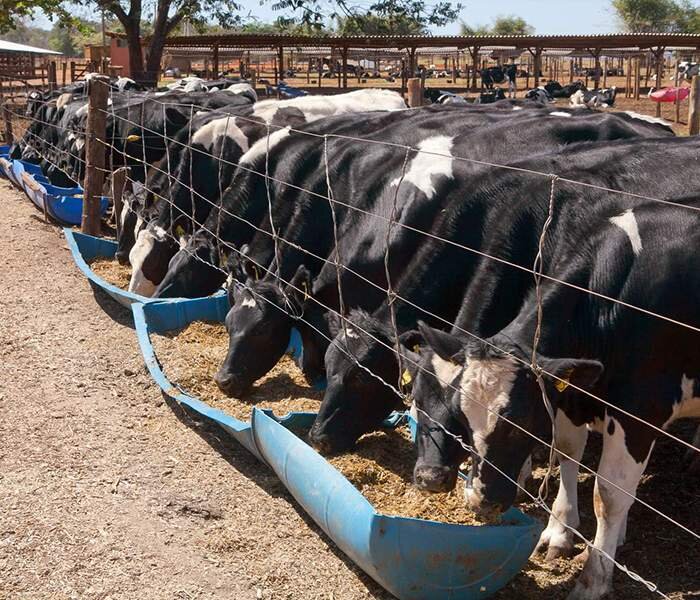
(641, 16)
(511, 25)
(166, 16)
(374, 25)
(502, 25)
(61, 39)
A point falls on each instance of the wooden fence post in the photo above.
(415, 97)
(72, 71)
(52, 75)
(637, 76)
(98, 90)
(7, 115)
(694, 112)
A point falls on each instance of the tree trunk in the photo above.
(133, 40)
(155, 55)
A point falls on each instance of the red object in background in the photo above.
(669, 94)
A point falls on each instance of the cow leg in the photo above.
(557, 539)
(692, 458)
(611, 507)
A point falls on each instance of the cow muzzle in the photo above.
(432, 478)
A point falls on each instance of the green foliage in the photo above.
(502, 25)
(61, 40)
(406, 17)
(26, 34)
(640, 16)
(375, 25)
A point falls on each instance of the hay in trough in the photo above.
(111, 271)
(381, 467)
(191, 356)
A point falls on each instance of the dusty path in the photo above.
(104, 492)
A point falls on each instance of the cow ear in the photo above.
(412, 340)
(175, 118)
(581, 372)
(247, 269)
(300, 285)
(446, 346)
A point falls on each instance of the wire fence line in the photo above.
(341, 314)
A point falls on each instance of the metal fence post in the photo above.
(94, 153)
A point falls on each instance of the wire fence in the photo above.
(341, 312)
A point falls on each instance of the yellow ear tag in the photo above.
(133, 138)
(416, 349)
(564, 383)
(406, 378)
(179, 231)
(257, 275)
(305, 287)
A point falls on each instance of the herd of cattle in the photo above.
(310, 209)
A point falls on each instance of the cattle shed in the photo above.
(19, 61)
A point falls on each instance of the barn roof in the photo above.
(14, 47)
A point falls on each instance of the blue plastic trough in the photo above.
(86, 247)
(415, 559)
(64, 205)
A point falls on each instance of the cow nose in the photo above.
(122, 257)
(229, 384)
(432, 478)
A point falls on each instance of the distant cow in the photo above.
(493, 75)
(594, 99)
(556, 90)
(539, 94)
(443, 97)
(492, 96)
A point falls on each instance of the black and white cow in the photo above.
(540, 95)
(594, 98)
(254, 321)
(595, 243)
(492, 75)
(688, 69)
(437, 96)
(281, 116)
(557, 90)
(640, 256)
(351, 410)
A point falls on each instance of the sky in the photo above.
(546, 16)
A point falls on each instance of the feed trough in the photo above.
(64, 205)
(412, 558)
(85, 248)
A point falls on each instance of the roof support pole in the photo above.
(344, 54)
(280, 63)
(215, 61)
(659, 65)
(474, 52)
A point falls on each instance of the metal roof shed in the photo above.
(18, 61)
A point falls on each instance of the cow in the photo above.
(253, 321)
(492, 75)
(443, 97)
(540, 95)
(491, 96)
(595, 98)
(277, 117)
(345, 414)
(615, 348)
(688, 69)
(556, 90)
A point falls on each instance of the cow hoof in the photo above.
(555, 552)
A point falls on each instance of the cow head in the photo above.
(259, 325)
(493, 387)
(193, 271)
(357, 399)
(688, 70)
(439, 455)
(150, 258)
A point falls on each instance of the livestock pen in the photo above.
(183, 355)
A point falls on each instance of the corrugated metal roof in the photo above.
(14, 47)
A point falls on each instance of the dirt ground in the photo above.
(107, 491)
